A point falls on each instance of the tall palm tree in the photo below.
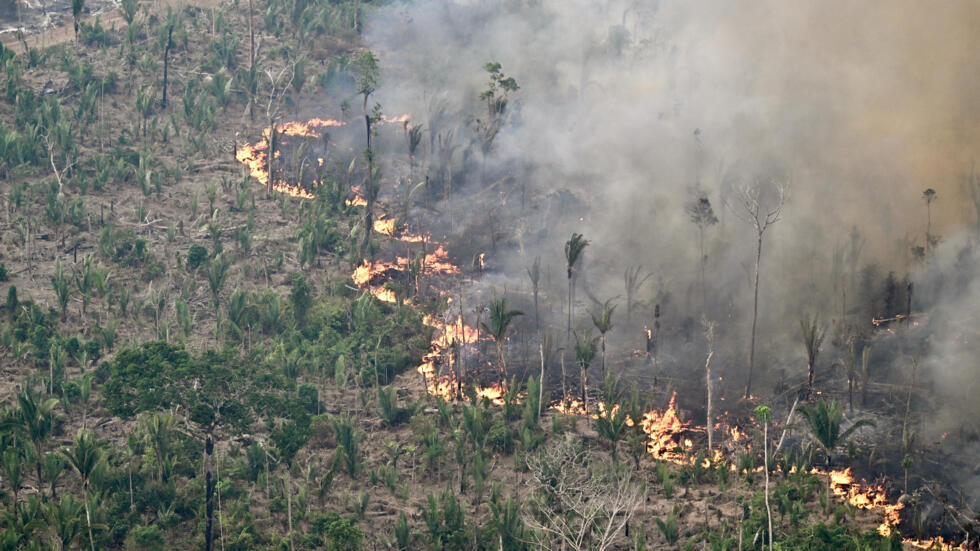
(573, 251)
(85, 457)
(825, 421)
(33, 420)
(813, 334)
(500, 318)
(585, 349)
(603, 322)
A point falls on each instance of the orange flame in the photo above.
(255, 156)
(664, 429)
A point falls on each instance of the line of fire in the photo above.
(423, 257)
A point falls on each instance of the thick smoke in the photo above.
(629, 110)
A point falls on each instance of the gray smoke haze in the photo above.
(628, 110)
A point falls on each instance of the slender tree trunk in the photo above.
(564, 386)
(369, 185)
(585, 389)
(541, 380)
(251, 37)
(704, 293)
(503, 365)
(132, 503)
(809, 375)
(166, 65)
(568, 330)
(603, 339)
(755, 316)
(88, 516)
(710, 411)
(789, 419)
(209, 494)
(289, 506)
(462, 334)
(37, 465)
(766, 451)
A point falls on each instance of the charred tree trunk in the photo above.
(710, 412)
(166, 64)
(369, 192)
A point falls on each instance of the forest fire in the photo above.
(256, 156)
(385, 226)
(664, 430)
(874, 498)
(668, 437)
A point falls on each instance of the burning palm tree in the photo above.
(585, 349)
(573, 251)
(500, 318)
(603, 322)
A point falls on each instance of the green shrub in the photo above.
(196, 256)
(501, 437)
(339, 533)
(147, 537)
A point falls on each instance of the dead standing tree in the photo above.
(366, 71)
(578, 503)
(761, 212)
(279, 84)
(709, 335)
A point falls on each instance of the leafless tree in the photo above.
(761, 212)
(279, 84)
(580, 502)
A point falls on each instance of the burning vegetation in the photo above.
(658, 275)
(457, 346)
